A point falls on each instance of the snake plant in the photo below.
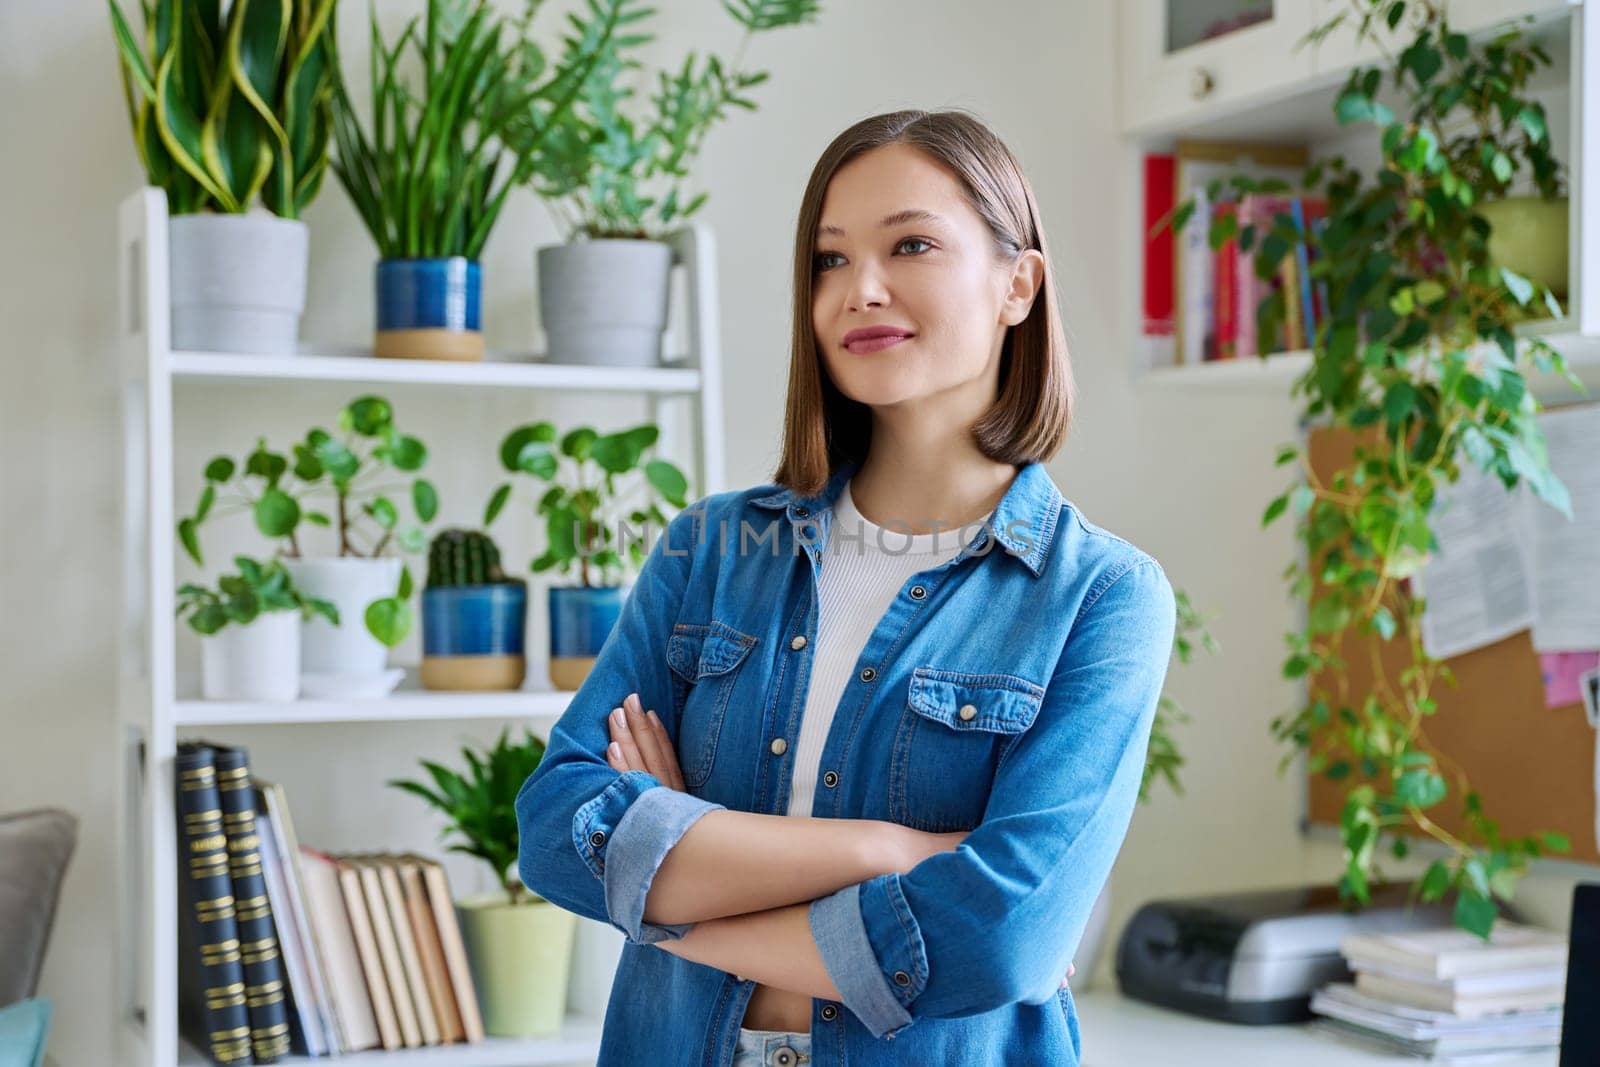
(424, 176)
(226, 108)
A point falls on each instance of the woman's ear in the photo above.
(1026, 275)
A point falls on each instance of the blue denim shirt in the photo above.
(1008, 690)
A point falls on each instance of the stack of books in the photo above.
(1448, 995)
(284, 949)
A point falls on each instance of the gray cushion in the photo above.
(34, 849)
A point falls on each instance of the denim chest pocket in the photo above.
(705, 661)
(952, 735)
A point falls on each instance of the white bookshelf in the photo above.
(155, 702)
(1267, 102)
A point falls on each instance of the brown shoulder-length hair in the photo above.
(823, 428)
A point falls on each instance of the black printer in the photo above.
(1255, 957)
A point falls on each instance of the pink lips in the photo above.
(875, 338)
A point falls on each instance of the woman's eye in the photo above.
(821, 261)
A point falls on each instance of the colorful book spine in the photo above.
(1293, 329)
(1224, 341)
(1302, 255)
(1318, 226)
(258, 937)
(211, 984)
(1158, 249)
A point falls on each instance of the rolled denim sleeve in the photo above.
(590, 838)
(996, 921)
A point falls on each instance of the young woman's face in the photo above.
(898, 246)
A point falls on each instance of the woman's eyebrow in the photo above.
(898, 218)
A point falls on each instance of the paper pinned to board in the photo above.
(1508, 561)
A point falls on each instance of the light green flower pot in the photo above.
(521, 957)
(1529, 236)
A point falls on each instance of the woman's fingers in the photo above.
(644, 735)
(624, 738)
(639, 742)
(660, 758)
(673, 767)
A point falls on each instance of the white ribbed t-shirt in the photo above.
(864, 566)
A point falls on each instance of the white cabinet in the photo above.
(1181, 55)
(1338, 52)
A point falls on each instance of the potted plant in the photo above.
(603, 298)
(431, 176)
(258, 657)
(1418, 360)
(228, 109)
(1162, 760)
(473, 614)
(361, 582)
(579, 516)
(519, 944)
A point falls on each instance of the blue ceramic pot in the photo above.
(581, 618)
(430, 309)
(472, 636)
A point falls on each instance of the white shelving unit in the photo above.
(154, 703)
(1216, 90)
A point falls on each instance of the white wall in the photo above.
(1184, 475)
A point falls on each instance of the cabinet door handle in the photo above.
(1201, 83)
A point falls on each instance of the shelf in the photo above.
(410, 702)
(578, 1041)
(1280, 370)
(497, 370)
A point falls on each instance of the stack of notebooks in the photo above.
(284, 949)
(1449, 996)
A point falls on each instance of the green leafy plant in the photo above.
(480, 803)
(1417, 358)
(579, 514)
(1162, 757)
(241, 598)
(280, 492)
(226, 107)
(430, 177)
(600, 159)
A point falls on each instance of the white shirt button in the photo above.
(798, 642)
(779, 746)
(968, 712)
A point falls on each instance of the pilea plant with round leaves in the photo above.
(1417, 359)
(349, 466)
(257, 588)
(580, 513)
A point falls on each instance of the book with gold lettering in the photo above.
(266, 992)
(212, 1014)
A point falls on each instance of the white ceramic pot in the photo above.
(259, 661)
(604, 302)
(238, 282)
(350, 583)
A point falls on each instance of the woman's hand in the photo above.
(639, 742)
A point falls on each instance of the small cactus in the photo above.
(464, 557)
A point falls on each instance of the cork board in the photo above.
(1532, 766)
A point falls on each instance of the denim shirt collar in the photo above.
(1024, 521)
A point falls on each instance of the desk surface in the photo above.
(1120, 1032)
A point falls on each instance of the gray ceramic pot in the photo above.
(238, 282)
(604, 301)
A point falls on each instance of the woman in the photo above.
(884, 769)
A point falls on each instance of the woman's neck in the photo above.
(929, 491)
